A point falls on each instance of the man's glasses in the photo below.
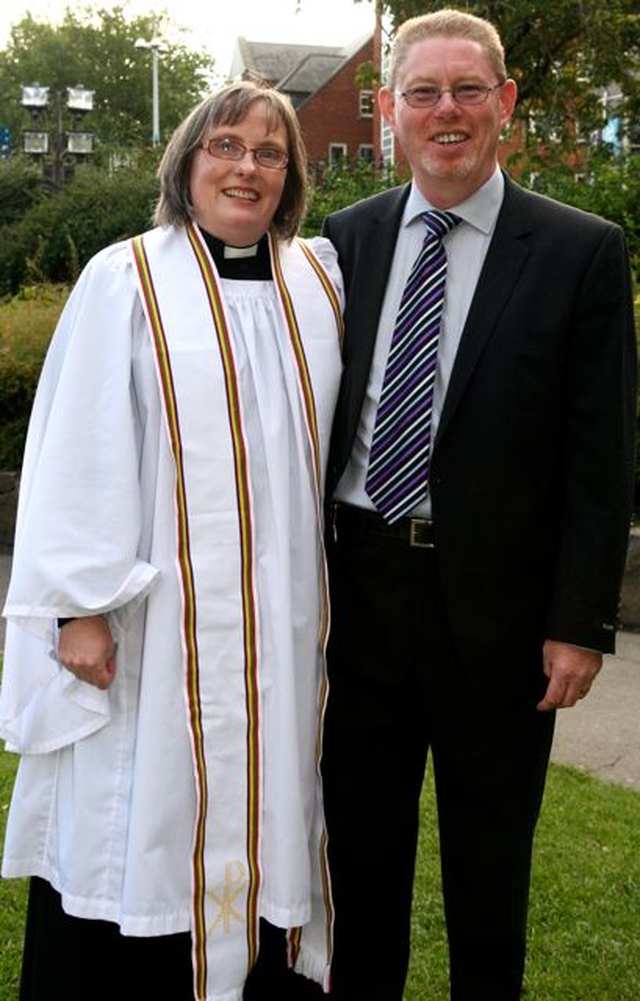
(232, 149)
(466, 94)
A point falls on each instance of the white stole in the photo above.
(215, 544)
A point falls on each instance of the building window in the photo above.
(337, 153)
(365, 152)
(387, 144)
(366, 104)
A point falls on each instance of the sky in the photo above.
(214, 25)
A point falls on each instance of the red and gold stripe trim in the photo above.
(328, 286)
(312, 424)
(189, 622)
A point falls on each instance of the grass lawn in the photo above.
(584, 935)
(12, 898)
(584, 918)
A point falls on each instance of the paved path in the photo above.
(601, 734)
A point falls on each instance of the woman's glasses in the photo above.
(232, 149)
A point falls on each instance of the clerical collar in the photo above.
(240, 251)
(242, 263)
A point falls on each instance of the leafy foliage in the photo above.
(20, 189)
(560, 52)
(609, 185)
(27, 322)
(341, 185)
(54, 240)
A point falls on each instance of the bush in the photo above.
(20, 189)
(609, 186)
(57, 236)
(26, 325)
(335, 187)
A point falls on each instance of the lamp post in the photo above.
(36, 141)
(156, 47)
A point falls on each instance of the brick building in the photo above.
(336, 115)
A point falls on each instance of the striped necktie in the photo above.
(399, 457)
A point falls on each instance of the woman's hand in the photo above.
(86, 648)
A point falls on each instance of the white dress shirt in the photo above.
(466, 248)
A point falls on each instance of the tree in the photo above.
(342, 184)
(561, 53)
(55, 238)
(611, 189)
(95, 48)
(20, 189)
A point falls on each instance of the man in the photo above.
(475, 606)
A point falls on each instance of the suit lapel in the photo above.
(367, 283)
(506, 257)
(366, 293)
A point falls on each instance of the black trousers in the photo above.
(398, 691)
(79, 960)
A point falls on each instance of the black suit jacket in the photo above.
(532, 470)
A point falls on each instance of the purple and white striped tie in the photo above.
(399, 457)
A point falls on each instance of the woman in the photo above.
(164, 663)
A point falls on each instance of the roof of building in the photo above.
(292, 68)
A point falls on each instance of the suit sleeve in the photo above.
(597, 485)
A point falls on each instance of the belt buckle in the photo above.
(419, 533)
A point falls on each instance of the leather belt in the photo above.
(418, 533)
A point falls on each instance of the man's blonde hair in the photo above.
(447, 23)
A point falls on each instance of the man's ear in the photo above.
(508, 99)
(387, 105)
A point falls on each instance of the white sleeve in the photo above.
(79, 513)
(328, 257)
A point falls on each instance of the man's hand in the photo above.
(571, 671)
(86, 648)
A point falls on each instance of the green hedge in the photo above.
(20, 189)
(53, 240)
(26, 324)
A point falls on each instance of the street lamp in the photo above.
(75, 142)
(156, 48)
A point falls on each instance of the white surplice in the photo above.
(180, 542)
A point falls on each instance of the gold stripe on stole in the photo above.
(186, 571)
(328, 286)
(295, 934)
